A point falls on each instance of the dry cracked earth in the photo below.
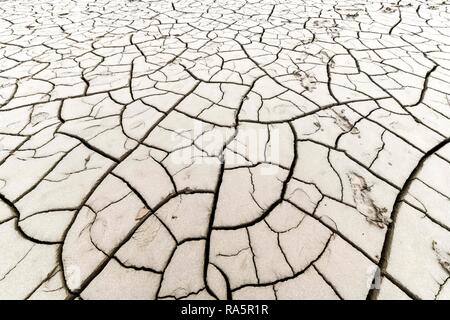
(248, 149)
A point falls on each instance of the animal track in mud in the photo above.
(224, 150)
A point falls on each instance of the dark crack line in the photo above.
(386, 250)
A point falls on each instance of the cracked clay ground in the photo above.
(248, 149)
